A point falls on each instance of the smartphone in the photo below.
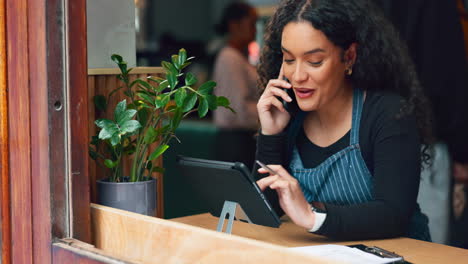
(288, 105)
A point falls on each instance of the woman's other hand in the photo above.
(273, 117)
(290, 195)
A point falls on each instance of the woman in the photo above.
(347, 155)
(236, 79)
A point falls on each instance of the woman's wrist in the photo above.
(270, 132)
(320, 215)
(309, 220)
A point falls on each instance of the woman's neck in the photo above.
(333, 121)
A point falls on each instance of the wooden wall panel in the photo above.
(78, 116)
(102, 82)
(56, 84)
(19, 131)
(5, 241)
(41, 211)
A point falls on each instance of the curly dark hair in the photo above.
(382, 62)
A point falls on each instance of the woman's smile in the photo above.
(303, 93)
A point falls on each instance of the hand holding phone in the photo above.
(290, 92)
(271, 111)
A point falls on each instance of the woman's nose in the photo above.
(299, 74)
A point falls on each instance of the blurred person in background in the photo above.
(236, 79)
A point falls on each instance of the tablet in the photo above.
(217, 181)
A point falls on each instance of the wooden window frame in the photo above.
(45, 206)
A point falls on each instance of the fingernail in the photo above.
(289, 99)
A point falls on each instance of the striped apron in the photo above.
(343, 178)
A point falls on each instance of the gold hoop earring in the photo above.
(349, 71)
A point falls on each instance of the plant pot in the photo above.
(138, 197)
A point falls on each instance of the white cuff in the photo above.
(319, 219)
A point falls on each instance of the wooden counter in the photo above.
(138, 238)
(290, 235)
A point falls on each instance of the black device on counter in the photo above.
(215, 182)
(380, 252)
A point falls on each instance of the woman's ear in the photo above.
(350, 55)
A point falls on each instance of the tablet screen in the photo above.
(216, 181)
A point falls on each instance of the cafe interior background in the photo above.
(145, 32)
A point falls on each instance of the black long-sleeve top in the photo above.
(390, 147)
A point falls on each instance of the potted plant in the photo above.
(141, 129)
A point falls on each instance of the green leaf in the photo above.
(143, 116)
(156, 79)
(115, 139)
(175, 61)
(110, 164)
(190, 79)
(172, 80)
(109, 131)
(169, 67)
(207, 88)
(150, 136)
(212, 102)
(223, 101)
(162, 100)
(150, 93)
(144, 84)
(146, 97)
(102, 123)
(128, 93)
(182, 56)
(120, 109)
(116, 58)
(189, 102)
(176, 119)
(100, 102)
(166, 99)
(158, 151)
(130, 126)
(202, 107)
(185, 65)
(163, 85)
(180, 96)
(133, 83)
(125, 116)
(123, 68)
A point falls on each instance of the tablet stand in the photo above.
(232, 209)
